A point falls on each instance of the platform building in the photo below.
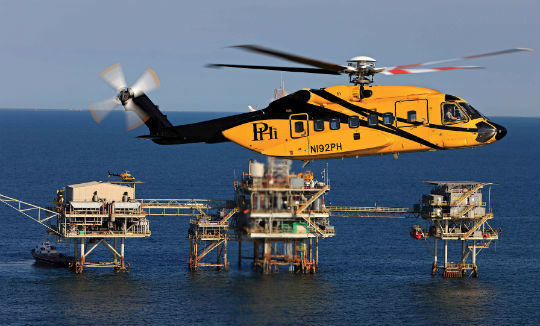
(455, 212)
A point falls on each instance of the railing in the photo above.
(468, 193)
(36, 213)
(445, 203)
(173, 207)
(368, 209)
(478, 224)
(371, 212)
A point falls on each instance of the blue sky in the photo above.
(53, 51)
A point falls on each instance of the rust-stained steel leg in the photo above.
(310, 250)
(195, 256)
(190, 253)
(434, 266)
(122, 265)
(225, 262)
(317, 252)
(267, 252)
(83, 256)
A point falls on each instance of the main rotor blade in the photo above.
(393, 71)
(463, 58)
(100, 110)
(147, 82)
(295, 58)
(293, 69)
(114, 76)
(135, 116)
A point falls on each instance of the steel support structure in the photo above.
(455, 213)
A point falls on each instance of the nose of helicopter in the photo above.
(488, 131)
(501, 131)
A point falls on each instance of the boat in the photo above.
(46, 253)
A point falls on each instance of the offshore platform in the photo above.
(90, 214)
(282, 214)
(455, 212)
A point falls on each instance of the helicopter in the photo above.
(333, 122)
(125, 176)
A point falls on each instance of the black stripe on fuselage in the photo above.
(365, 112)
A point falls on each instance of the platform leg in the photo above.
(475, 268)
(434, 266)
(255, 253)
(225, 262)
(317, 252)
(122, 244)
(83, 256)
(267, 255)
(195, 256)
(115, 243)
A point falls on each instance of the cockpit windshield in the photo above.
(452, 113)
(471, 112)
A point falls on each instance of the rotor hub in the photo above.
(125, 95)
(362, 59)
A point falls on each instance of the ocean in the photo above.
(371, 273)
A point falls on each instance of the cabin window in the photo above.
(354, 122)
(411, 116)
(388, 118)
(318, 125)
(373, 119)
(334, 124)
(452, 113)
(298, 126)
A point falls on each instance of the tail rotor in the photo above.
(114, 76)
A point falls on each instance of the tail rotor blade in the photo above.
(135, 116)
(147, 82)
(100, 110)
(114, 76)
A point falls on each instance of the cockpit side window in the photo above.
(471, 112)
(452, 113)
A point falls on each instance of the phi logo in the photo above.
(261, 131)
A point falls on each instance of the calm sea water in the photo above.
(372, 272)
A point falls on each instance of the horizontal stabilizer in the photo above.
(151, 137)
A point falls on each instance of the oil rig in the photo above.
(282, 214)
(455, 212)
(90, 214)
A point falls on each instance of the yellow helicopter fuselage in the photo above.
(336, 122)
